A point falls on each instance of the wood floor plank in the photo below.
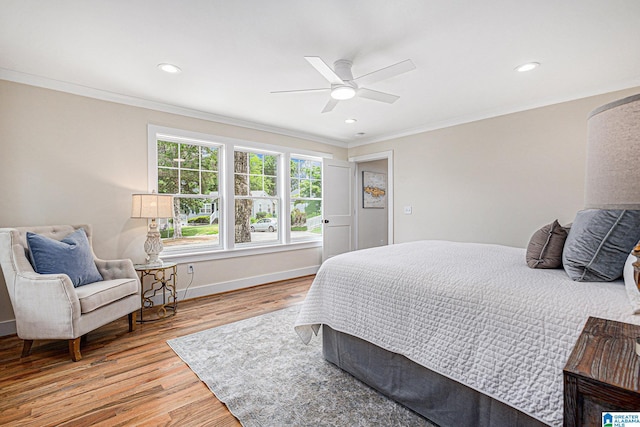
(129, 378)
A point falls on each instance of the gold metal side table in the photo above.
(155, 280)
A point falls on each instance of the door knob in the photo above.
(326, 221)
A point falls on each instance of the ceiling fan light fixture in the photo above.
(344, 86)
(343, 92)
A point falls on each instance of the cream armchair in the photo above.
(47, 306)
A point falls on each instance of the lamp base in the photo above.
(149, 263)
(153, 245)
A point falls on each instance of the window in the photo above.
(306, 198)
(256, 187)
(190, 172)
(232, 195)
(207, 208)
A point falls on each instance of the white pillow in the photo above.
(630, 284)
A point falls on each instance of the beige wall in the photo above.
(494, 180)
(67, 159)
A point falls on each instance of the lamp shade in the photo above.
(613, 154)
(151, 206)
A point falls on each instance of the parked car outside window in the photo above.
(265, 224)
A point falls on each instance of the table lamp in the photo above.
(613, 151)
(152, 206)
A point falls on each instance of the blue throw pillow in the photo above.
(599, 243)
(71, 256)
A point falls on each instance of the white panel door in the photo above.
(338, 207)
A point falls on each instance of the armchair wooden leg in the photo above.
(26, 347)
(132, 320)
(74, 349)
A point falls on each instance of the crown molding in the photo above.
(89, 92)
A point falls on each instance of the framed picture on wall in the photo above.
(374, 190)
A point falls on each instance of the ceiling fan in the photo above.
(344, 86)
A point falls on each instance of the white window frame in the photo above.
(226, 232)
(153, 183)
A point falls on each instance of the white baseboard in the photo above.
(7, 327)
(233, 285)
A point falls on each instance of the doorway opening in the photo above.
(373, 221)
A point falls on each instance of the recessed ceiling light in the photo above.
(527, 67)
(360, 134)
(169, 68)
(349, 121)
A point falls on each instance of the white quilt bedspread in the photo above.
(472, 312)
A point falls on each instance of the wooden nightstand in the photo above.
(602, 373)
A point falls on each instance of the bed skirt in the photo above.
(439, 399)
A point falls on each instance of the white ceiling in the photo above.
(233, 53)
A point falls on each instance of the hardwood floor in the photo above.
(129, 378)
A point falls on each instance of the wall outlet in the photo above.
(407, 210)
(190, 269)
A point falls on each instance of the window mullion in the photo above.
(229, 208)
(179, 168)
(285, 187)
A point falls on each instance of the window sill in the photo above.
(196, 256)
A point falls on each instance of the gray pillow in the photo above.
(545, 247)
(71, 256)
(599, 243)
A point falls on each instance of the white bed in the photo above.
(474, 313)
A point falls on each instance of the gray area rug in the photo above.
(267, 377)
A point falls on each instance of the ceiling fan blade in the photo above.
(377, 96)
(386, 73)
(324, 89)
(321, 66)
(330, 105)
